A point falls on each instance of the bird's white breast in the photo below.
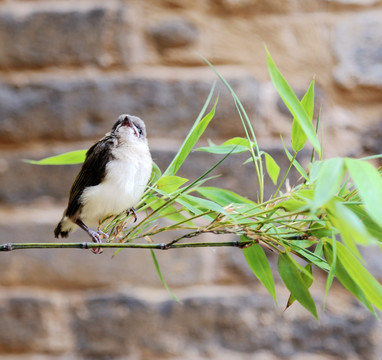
(125, 181)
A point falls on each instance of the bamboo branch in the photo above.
(90, 245)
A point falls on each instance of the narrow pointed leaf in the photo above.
(235, 146)
(350, 226)
(161, 277)
(169, 211)
(369, 285)
(259, 264)
(344, 278)
(202, 204)
(192, 138)
(169, 183)
(332, 270)
(69, 158)
(371, 226)
(272, 168)
(329, 181)
(308, 282)
(223, 149)
(293, 280)
(156, 173)
(292, 102)
(309, 256)
(298, 136)
(223, 197)
(368, 182)
(296, 164)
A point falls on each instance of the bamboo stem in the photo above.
(89, 245)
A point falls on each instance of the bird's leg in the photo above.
(132, 210)
(95, 235)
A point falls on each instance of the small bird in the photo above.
(112, 179)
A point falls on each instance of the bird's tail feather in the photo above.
(63, 228)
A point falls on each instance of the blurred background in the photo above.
(69, 68)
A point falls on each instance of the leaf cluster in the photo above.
(321, 222)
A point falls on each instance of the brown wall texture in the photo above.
(69, 68)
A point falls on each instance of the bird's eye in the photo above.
(140, 131)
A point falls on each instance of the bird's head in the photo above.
(129, 128)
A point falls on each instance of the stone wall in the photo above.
(69, 68)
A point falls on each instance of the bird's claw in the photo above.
(132, 210)
(97, 238)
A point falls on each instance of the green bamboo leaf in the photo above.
(309, 256)
(292, 205)
(223, 149)
(169, 184)
(332, 270)
(259, 264)
(293, 280)
(235, 145)
(308, 282)
(371, 226)
(296, 164)
(249, 131)
(340, 224)
(169, 211)
(272, 168)
(298, 136)
(299, 200)
(321, 229)
(202, 204)
(368, 182)
(223, 197)
(347, 274)
(69, 158)
(192, 138)
(161, 277)
(156, 173)
(350, 226)
(368, 284)
(292, 102)
(314, 171)
(240, 141)
(329, 180)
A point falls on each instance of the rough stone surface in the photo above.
(54, 181)
(371, 138)
(173, 33)
(69, 68)
(355, 2)
(245, 7)
(205, 324)
(81, 108)
(53, 37)
(30, 323)
(358, 48)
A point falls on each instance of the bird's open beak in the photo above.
(130, 124)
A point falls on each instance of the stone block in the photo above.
(245, 7)
(211, 322)
(31, 323)
(358, 48)
(351, 3)
(72, 108)
(22, 183)
(371, 139)
(35, 36)
(165, 328)
(173, 33)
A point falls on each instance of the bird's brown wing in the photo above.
(92, 172)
